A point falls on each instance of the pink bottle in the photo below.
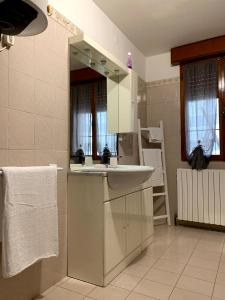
(129, 61)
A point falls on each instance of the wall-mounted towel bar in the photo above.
(59, 169)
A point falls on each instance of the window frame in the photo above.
(221, 97)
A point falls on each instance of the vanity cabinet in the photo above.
(133, 224)
(147, 214)
(122, 219)
(107, 228)
(115, 233)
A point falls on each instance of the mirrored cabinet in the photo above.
(121, 82)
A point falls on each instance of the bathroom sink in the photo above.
(121, 176)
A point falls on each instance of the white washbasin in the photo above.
(122, 176)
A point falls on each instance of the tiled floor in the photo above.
(180, 264)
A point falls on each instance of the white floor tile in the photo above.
(179, 294)
(109, 293)
(154, 289)
(145, 260)
(161, 276)
(59, 293)
(219, 291)
(195, 285)
(200, 273)
(203, 263)
(185, 258)
(136, 296)
(137, 269)
(79, 286)
(220, 278)
(169, 265)
(126, 281)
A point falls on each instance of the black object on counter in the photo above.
(106, 154)
(79, 157)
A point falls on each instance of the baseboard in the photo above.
(212, 227)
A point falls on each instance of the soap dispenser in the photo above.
(79, 157)
(106, 154)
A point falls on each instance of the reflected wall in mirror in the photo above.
(88, 106)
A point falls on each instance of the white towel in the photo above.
(153, 157)
(155, 133)
(1, 205)
(30, 217)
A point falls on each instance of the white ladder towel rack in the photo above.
(160, 142)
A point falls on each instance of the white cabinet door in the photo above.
(122, 103)
(115, 233)
(112, 106)
(147, 213)
(133, 212)
(128, 102)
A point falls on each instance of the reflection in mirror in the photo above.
(88, 107)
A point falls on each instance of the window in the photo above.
(89, 119)
(202, 98)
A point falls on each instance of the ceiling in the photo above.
(156, 26)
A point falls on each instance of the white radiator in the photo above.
(201, 196)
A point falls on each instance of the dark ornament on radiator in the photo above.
(197, 159)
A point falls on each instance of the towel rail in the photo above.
(58, 168)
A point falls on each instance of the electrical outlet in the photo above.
(8, 40)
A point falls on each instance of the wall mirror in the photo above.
(94, 99)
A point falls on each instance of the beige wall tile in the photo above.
(60, 108)
(169, 114)
(142, 113)
(61, 72)
(21, 158)
(21, 55)
(44, 64)
(4, 58)
(44, 98)
(61, 41)
(44, 157)
(3, 128)
(4, 80)
(21, 91)
(3, 157)
(21, 130)
(33, 85)
(55, 268)
(44, 133)
(60, 135)
(24, 286)
(47, 38)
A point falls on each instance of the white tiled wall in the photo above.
(34, 103)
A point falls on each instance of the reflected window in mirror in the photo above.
(89, 114)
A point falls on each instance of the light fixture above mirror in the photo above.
(91, 54)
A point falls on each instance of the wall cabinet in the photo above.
(107, 228)
(122, 103)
